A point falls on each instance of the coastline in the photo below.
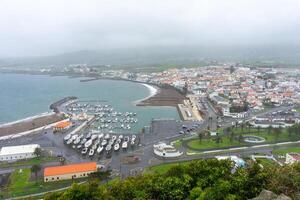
(157, 97)
(154, 90)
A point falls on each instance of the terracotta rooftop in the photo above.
(70, 169)
(63, 124)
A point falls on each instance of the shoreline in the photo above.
(154, 90)
(157, 96)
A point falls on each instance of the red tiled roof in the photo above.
(70, 169)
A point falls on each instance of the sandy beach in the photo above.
(161, 97)
(153, 90)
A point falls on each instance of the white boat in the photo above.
(88, 143)
(94, 147)
(121, 137)
(69, 141)
(106, 136)
(84, 150)
(88, 136)
(132, 142)
(77, 140)
(83, 141)
(74, 137)
(67, 137)
(79, 146)
(91, 153)
(100, 136)
(114, 137)
(116, 147)
(133, 136)
(100, 149)
(126, 138)
(104, 142)
(108, 148)
(119, 141)
(124, 145)
(95, 136)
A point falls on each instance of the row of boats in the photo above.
(91, 143)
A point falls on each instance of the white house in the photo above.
(292, 158)
(13, 153)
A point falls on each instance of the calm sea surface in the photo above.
(26, 95)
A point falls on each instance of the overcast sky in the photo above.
(46, 27)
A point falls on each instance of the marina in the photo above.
(104, 130)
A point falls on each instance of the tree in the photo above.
(277, 132)
(249, 126)
(37, 152)
(290, 131)
(231, 136)
(270, 129)
(242, 127)
(102, 175)
(218, 139)
(200, 135)
(258, 129)
(241, 138)
(35, 169)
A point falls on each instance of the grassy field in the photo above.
(286, 150)
(28, 162)
(298, 109)
(177, 143)
(270, 137)
(20, 184)
(210, 144)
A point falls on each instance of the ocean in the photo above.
(23, 95)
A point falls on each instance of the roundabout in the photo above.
(253, 139)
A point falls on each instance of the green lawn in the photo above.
(210, 144)
(28, 162)
(270, 137)
(177, 143)
(286, 150)
(298, 109)
(20, 184)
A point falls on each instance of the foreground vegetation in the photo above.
(202, 179)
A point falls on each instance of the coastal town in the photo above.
(228, 111)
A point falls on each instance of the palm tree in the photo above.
(35, 169)
(277, 132)
(249, 126)
(218, 139)
(241, 138)
(269, 129)
(37, 152)
(200, 135)
(258, 129)
(242, 126)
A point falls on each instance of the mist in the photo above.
(49, 27)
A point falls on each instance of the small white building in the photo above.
(13, 153)
(164, 150)
(292, 158)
